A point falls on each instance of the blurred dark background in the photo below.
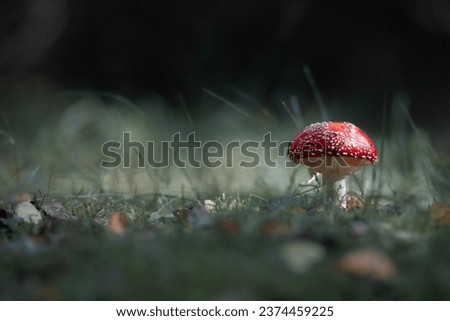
(360, 52)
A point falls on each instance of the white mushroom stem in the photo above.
(335, 188)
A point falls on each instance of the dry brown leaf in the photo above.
(182, 213)
(276, 229)
(38, 239)
(24, 197)
(298, 210)
(440, 213)
(197, 215)
(117, 223)
(55, 210)
(368, 263)
(353, 201)
(231, 226)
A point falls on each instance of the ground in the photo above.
(248, 248)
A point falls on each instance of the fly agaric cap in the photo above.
(333, 148)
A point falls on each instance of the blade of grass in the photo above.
(316, 92)
(245, 96)
(296, 110)
(74, 198)
(187, 114)
(113, 96)
(294, 120)
(229, 104)
(382, 143)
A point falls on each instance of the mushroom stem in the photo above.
(335, 188)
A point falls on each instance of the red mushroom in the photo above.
(335, 149)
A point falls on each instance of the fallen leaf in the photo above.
(182, 213)
(28, 213)
(197, 215)
(368, 263)
(440, 213)
(231, 226)
(117, 223)
(24, 197)
(300, 256)
(38, 239)
(276, 229)
(353, 201)
(298, 210)
(55, 210)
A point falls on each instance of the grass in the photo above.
(161, 257)
(238, 249)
